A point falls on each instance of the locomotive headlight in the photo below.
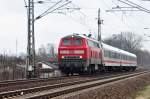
(78, 51)
(81, 57)
(64, 51)
(62, 57)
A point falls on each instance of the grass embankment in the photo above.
(144, 94)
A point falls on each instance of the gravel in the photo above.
(124, 89)
(37, 84)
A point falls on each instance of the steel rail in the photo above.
(78, 87)
(48, 87)
(16, 82)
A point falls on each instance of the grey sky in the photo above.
(52, 27)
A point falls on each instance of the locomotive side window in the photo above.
(90, 43)
(97, 45)
(93, 44)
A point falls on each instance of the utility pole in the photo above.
(31, 43)
(99, 26)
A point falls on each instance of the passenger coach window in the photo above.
(66, 42)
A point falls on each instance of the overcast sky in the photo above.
(49, 29)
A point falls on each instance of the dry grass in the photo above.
(144, 94)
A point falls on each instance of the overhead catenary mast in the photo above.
(30, 62)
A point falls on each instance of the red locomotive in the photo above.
(80, 54)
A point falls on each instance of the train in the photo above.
(82, 54)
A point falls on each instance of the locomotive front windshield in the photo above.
(66, 42)
(74, 41)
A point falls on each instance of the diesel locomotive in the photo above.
(83, 54)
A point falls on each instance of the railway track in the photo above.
(14, 82)
(23, 84)
(26, 81)
(50, 91)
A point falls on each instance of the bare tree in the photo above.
(47, 53)
(143, 57)
(127, 41)
(41, 55)
(50, 50)
(132, 43)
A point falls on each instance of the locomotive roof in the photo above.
(80, 36)
(104, 45)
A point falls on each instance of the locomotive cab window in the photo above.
(66, 42)
(69, 42)
(77, 42)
